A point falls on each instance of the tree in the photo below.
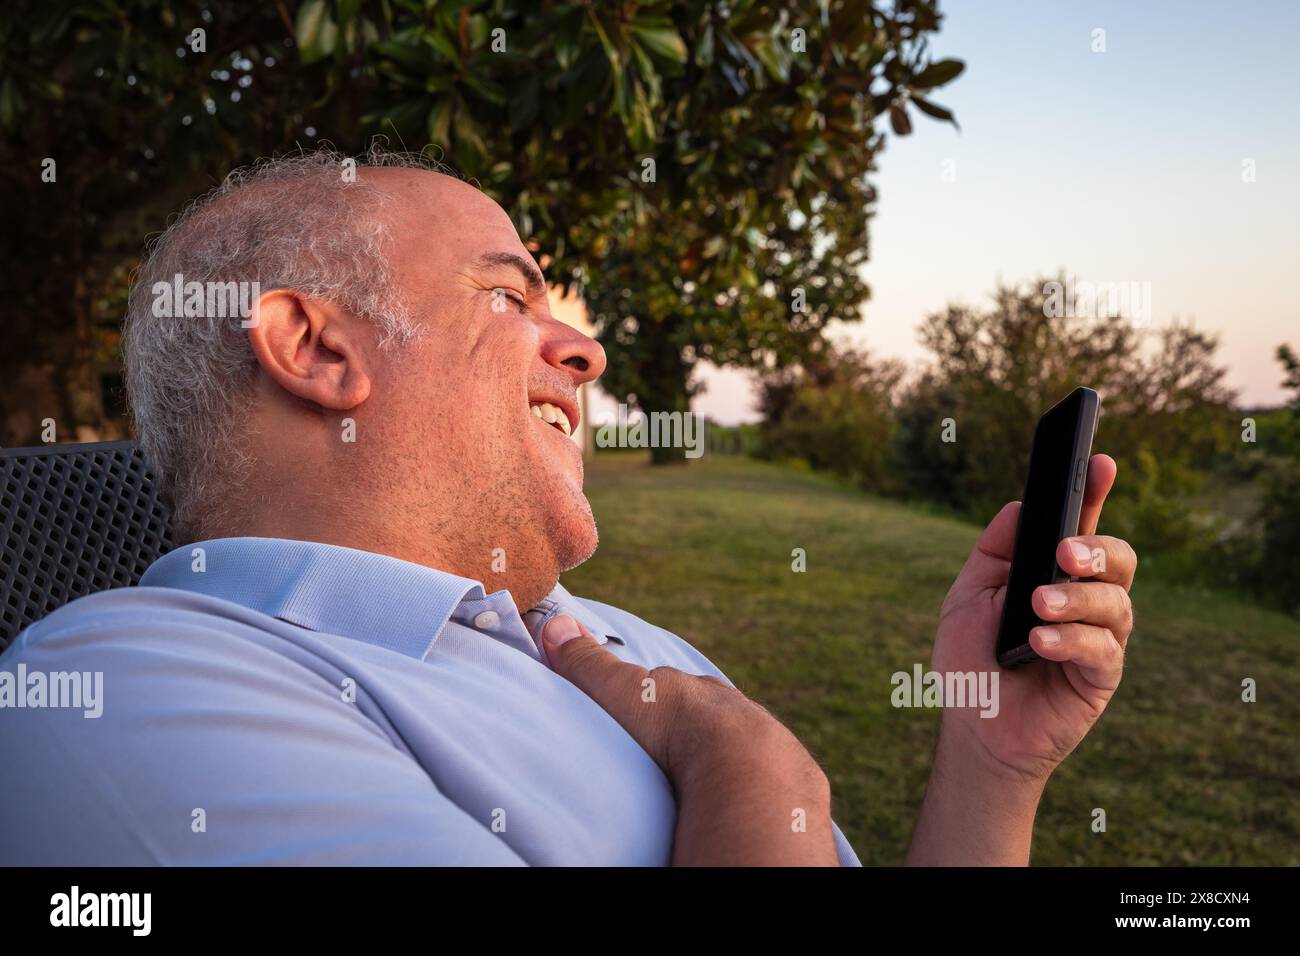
(836, 411)
(963, 424)
(1291, 377)
(1277, 569)
(698, 168)
(111, 121)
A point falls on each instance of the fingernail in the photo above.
(1049, 636)
(1055, 598)
(1080, 552)
(559, 630)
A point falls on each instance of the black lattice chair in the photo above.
(77, 519)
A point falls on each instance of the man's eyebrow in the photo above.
(527, 268)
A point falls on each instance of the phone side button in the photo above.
(1080, 471)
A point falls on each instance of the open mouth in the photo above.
(552, 415)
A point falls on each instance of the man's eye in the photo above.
(500, 297)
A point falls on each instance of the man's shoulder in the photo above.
(137, 617)
(649, 644)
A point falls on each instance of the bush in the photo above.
(1278, 572)
(958, 434)
(838, 417)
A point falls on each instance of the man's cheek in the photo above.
(509, 343)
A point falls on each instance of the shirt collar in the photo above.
(560, 601)
(375, 598)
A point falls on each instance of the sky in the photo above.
(1116, 166)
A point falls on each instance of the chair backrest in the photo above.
(77, 519)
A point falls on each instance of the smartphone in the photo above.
(1049, 512)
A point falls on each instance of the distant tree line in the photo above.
(1205, 491)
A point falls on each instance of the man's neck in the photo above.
(527, 586)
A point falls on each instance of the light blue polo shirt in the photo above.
(268, 701)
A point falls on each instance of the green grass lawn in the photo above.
(1186, 772)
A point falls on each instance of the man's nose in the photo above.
(570, 350)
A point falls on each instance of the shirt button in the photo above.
(487, 620)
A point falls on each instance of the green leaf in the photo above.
(899, 121)
(440, 122)
(937, 74)
(643, 62)
(660, 39)
(409, 115)
(479, 30)
(443, 44)
(611, 51)
(411, 56)
(564, 38)
(771, 57)
(704, 48)
(348, 10)
(934, 110)
(467, 132)
(314, 31)
(490, 90)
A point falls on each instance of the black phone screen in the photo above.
(1049, 512)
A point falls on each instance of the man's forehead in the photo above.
(435, 210)
(425, 192)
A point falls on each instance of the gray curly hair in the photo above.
(295, 222)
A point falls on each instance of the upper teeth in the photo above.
(549, 413)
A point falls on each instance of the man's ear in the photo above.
(313, 349)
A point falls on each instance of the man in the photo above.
(363, 654)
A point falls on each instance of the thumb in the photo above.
(990, 557)
(574, 654)
(615, 684)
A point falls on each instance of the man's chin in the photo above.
(575, 538)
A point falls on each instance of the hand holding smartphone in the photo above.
(1049, 512)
